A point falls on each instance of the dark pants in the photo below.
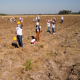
(19, 39)
(61, 21)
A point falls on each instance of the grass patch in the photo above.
(28, 37)
(71, 37)
(41, 46)
(28, 64)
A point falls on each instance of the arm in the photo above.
(21, 23)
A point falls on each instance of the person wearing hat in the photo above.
(19, 33)
(38, 30)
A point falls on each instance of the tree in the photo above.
(65, 12)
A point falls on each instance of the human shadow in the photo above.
(33, 37)
(15, 45)
(49, 32)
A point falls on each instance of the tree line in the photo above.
(60, 12)
(68, 12)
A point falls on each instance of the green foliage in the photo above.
(51, 53)
(1, 14)
(28, 37)
(79, 12)
(28, 64)
(76, 12)
(65, 12)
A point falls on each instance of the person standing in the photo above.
(53, 27)
(48, 26)
(20, 19)
(38, 18)
(19, 33)
(2, 17)
(62, 19)
(11, 20)
(37, 31)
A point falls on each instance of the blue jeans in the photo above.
(48, 29)
(19, 39)
(53, 30)
(61, 21)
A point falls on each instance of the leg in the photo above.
(18, 40)
(53, 30)
(37, 36)
(21, 44)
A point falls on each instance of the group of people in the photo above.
(12, 19)
(38, 30)
(36, 19)
(53, 22)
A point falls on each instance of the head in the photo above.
(18, 23)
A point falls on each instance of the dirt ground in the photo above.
(55, 57)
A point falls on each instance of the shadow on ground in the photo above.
(15, 45)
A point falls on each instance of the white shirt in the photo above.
(38, 17)
(19, 30)
(53, 25)
(62, 18)
(20, 18)
(37, 23)
(48, 24)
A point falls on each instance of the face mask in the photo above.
(18, 25)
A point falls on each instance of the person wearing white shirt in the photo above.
(38, 30)
(62, 19)
(38, 18)
(19, 33)
(11, 20)
(48, 25)
(53, 27)
(20, 19)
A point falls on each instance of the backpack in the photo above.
(37, 28)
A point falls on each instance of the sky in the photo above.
(38, 6)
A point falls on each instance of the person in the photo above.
(53, 26)
(38, 18)
(14, 19)
(2, 17)
(11, 20)
(38, 28)
(62, 19)
(20, 19)
(33, 20)
(48, 26)
(19, 33)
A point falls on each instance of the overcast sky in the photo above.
(38, 6)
